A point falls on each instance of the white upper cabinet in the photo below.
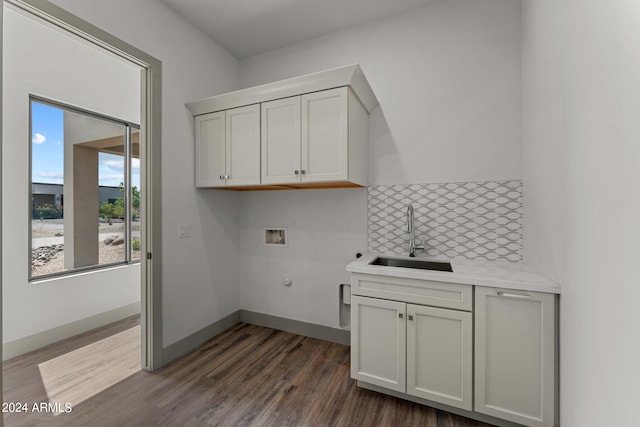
(281, 141)
(308, 131)
(210, 150)
(243, 146)
(228, 148)
(309, 139)
(325, 136)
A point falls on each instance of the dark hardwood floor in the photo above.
(248, 375)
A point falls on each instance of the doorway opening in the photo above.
(145, 244)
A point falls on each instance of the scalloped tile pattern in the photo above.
(473, 220)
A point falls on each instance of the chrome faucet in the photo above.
(412, 233)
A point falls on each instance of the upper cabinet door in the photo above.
(325, 149)
(210, 150)
(281, 141)
(243, 145)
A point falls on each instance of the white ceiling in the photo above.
(250, 27)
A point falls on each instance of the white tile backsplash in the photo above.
(473, 220)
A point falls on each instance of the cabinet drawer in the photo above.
(425, 292)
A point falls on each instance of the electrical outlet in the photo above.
(184, 230)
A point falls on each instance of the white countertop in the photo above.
(496, 274)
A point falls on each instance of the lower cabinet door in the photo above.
(378, 342)
(439, 355)
(514, 357)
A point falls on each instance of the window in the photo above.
(85, 190)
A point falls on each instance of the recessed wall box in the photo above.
(276, 236)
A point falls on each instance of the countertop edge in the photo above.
(503, 276)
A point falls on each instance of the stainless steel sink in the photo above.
(412, 263)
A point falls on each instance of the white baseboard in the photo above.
(41, 339)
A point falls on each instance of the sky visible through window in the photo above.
(47, 140)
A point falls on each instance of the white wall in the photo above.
(448, 80)
(36, 60)
(325, 230)
(581, 171)
(200, 273)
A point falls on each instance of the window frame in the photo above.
(129, 127)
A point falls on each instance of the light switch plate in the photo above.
(184, 230)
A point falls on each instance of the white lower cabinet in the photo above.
(378, 337)
(495, 357)
(515, 355)
(422, 351)
(439, 355)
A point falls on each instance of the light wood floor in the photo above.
(249, 375)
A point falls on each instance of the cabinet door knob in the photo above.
(303, 171)
(296, 171)
(221, 177)
(411, 317)
(227, 176)
(400, 315)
